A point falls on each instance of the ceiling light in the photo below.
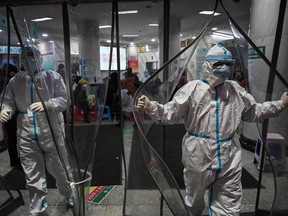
(153, 24)
(209, 13)
(1, 30)
(228, 36)
(45, 35)
(108, 41)
(128, 12)
(194, 37)
(130, 35)
(153, 39)
(18, 43)
(132, 43)
(214, 29)
(41, 19)
(105, 26)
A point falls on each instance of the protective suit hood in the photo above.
(33, 56)
(216, 54)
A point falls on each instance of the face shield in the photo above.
(218, 65)
(34, 59)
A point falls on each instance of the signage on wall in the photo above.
(133, 64)
(48, 61)
(200, 58)
(252, 54)
(251, 71)
(13, 50)
(105, 58)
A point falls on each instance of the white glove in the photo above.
(37, 107)
(144, 104)
(5, 115)
(284, 100)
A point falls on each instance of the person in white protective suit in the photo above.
(36, 146)
(212, 109)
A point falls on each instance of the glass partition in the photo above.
(88, 135)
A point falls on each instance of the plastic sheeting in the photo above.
(76, 152)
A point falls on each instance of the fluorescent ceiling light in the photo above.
(108, 41)
(153, 39)
(153, 24)
(214, 29)
(130, 35)
(1, 30)
(128, 12)
(105, 26)
(209, 13)
(223, 35)
(41, 19)
(132, 43)
(45, 35)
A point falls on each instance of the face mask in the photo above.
(33, 64)
(222, 71)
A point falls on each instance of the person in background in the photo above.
(61, 70)
(182, 81)
(241, 81)
(131, 77)
(212, 109)
(22, 67)
(127, 94)
(145, 76)
(112, 98)
(81, 100)
(11, 125)
(37, 149)
(75, 79)
(3, 144)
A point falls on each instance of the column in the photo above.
(174, 38)
(89, 50)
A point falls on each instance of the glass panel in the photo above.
(273, 187)
(76, 143)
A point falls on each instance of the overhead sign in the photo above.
(13, 50)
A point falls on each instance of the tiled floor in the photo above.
(143, 201)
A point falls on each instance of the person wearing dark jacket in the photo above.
(11, 125)
(81, 100)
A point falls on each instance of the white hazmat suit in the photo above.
(35, 143)
(212, 109)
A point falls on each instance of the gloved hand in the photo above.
(284, 100)
(5, 115)
(37, 107)
(144, 104)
